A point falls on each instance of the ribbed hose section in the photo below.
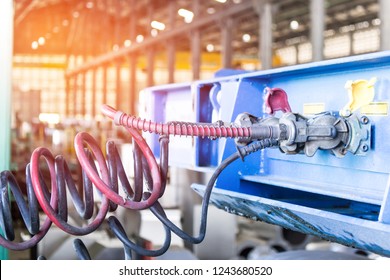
(176, 128)
(256, 146)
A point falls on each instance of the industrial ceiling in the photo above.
(94, 27)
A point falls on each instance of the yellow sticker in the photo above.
(375, 109)
(313, 108)
(361, 93)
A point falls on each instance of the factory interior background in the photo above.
(63, 59)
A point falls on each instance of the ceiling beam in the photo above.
(245, 6)
(24, 10)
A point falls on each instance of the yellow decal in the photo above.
(375, 109)
(313, 108)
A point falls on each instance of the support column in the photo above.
(151, 51)
(264, 9)
(133, 63)
(195, 44)
(195, 54)
(75, 93)
(150, 67)
(83, 94)
(118, 89)
(133, 82)
(171, 48)
(384, 10)
(67, 95)
(6, 54)
(226, 42)
(93, 112)
(171, 54)
(104, 87)
(317, 19)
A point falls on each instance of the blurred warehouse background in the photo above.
(68, 57)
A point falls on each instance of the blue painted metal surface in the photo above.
(344, 200)
(315, 220)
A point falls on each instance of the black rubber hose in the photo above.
(241, 153)
(81, 250)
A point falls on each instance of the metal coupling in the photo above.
(299, 134)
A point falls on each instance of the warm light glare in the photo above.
(154, 32)
(41, 41)
(186, 14)
(157, 25)
(210, 10)
(221, 1)
(34, 45)
(188, 19)
(115, 48)
(49, 118)
(246, 38)
(127, 43)
(210, 47)
(57, 137)
(139, 38)
(89, 5)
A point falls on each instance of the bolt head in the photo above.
(365, 148)
(364, 120)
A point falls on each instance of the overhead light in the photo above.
(34, 45)
(115, 48)
(41, 41)
(127, 43)
(89, 5)
(186, 14)
(65, 22)
(75, 14)
(221, 1)
(294, 25)
(154, 32)
(139, 38)
(157, 25)
(210, 10)
(188, 19)
(329, 33)
(376, 21)
(210, 47)
(246, 38)
(362, 25)
(360, 9)
(50, 118)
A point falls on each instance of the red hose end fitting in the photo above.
(113, 114)
(118, 117)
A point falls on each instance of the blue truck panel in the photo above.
(345, 200)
